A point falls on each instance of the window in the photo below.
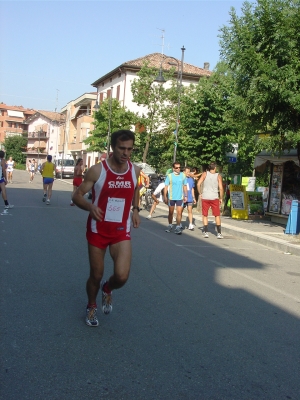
(108, 94)
(118, 93)
(101, 98)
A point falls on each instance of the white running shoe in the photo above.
(219, 236)
(178, 230)
(191, 227)
(169, 228)
(8, 206)
(48, 202)
(149, 216)
(205, 235)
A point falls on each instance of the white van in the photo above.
(66, 170)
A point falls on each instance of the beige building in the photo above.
(78, 122)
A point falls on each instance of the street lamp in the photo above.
(160, 78)
(96, 106)
(39, 132)
(109, 123)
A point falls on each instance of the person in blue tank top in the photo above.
(175, 194)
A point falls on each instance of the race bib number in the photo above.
(114, 210)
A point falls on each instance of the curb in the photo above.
(273, 243)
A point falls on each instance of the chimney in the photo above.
(206, 66)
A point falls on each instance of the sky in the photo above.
(52, 51)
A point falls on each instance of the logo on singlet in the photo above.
(120, 177)
(119, 184)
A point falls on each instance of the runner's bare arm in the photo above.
(135, 201)
(78, 198)
(203, 176)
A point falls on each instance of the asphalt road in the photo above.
(198, 319)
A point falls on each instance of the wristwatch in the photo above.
(136, 208)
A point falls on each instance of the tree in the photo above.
(207, 129)
(112, 112)
(15, 147)
(262, 48)
(157, 110)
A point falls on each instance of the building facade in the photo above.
(78, 122)
(43, 135)
(13, 121)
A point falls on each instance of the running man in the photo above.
(78, 175)
(31, 169)
(48, 172)
(10, 169)
(211, 196)
(176, 189)
(3, 180)
(115, 191)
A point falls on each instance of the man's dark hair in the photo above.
(49, 158)
(122, 135)
(1, 154)
(212, 165)
(175, 163)
(78, 161)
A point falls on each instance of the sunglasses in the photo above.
(176, 167)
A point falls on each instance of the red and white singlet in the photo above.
(113, 193)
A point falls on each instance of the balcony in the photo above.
(38, 135)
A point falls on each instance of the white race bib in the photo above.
(114, 210)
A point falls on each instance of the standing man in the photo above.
(176, 190)
(115, 193)
(3, 180)
(78, 175)
(48, 172)
(190, 196)
(10, 169)
(211, 195)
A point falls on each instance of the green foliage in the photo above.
(14, 146)
(262, 48)
(157, 114)
(118, 117)
(206, 126)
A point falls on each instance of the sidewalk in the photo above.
(260, 231)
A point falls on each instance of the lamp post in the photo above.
(109, 123)
(39, 133)
(160, 78)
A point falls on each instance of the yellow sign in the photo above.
(238, 200)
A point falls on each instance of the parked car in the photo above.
(64, 168)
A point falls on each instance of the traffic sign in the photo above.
(232, 159)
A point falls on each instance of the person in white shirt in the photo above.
(10, 169)
(157, 196)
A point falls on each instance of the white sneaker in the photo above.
(178, 230)
(219, 236)
(149, 216)
(169, 228)
(205, 235)
(48, 202)
(8, 206)
(191, 227)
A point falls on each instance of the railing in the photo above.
(37, 135)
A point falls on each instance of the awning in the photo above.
(18, 114)
(263, 157)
